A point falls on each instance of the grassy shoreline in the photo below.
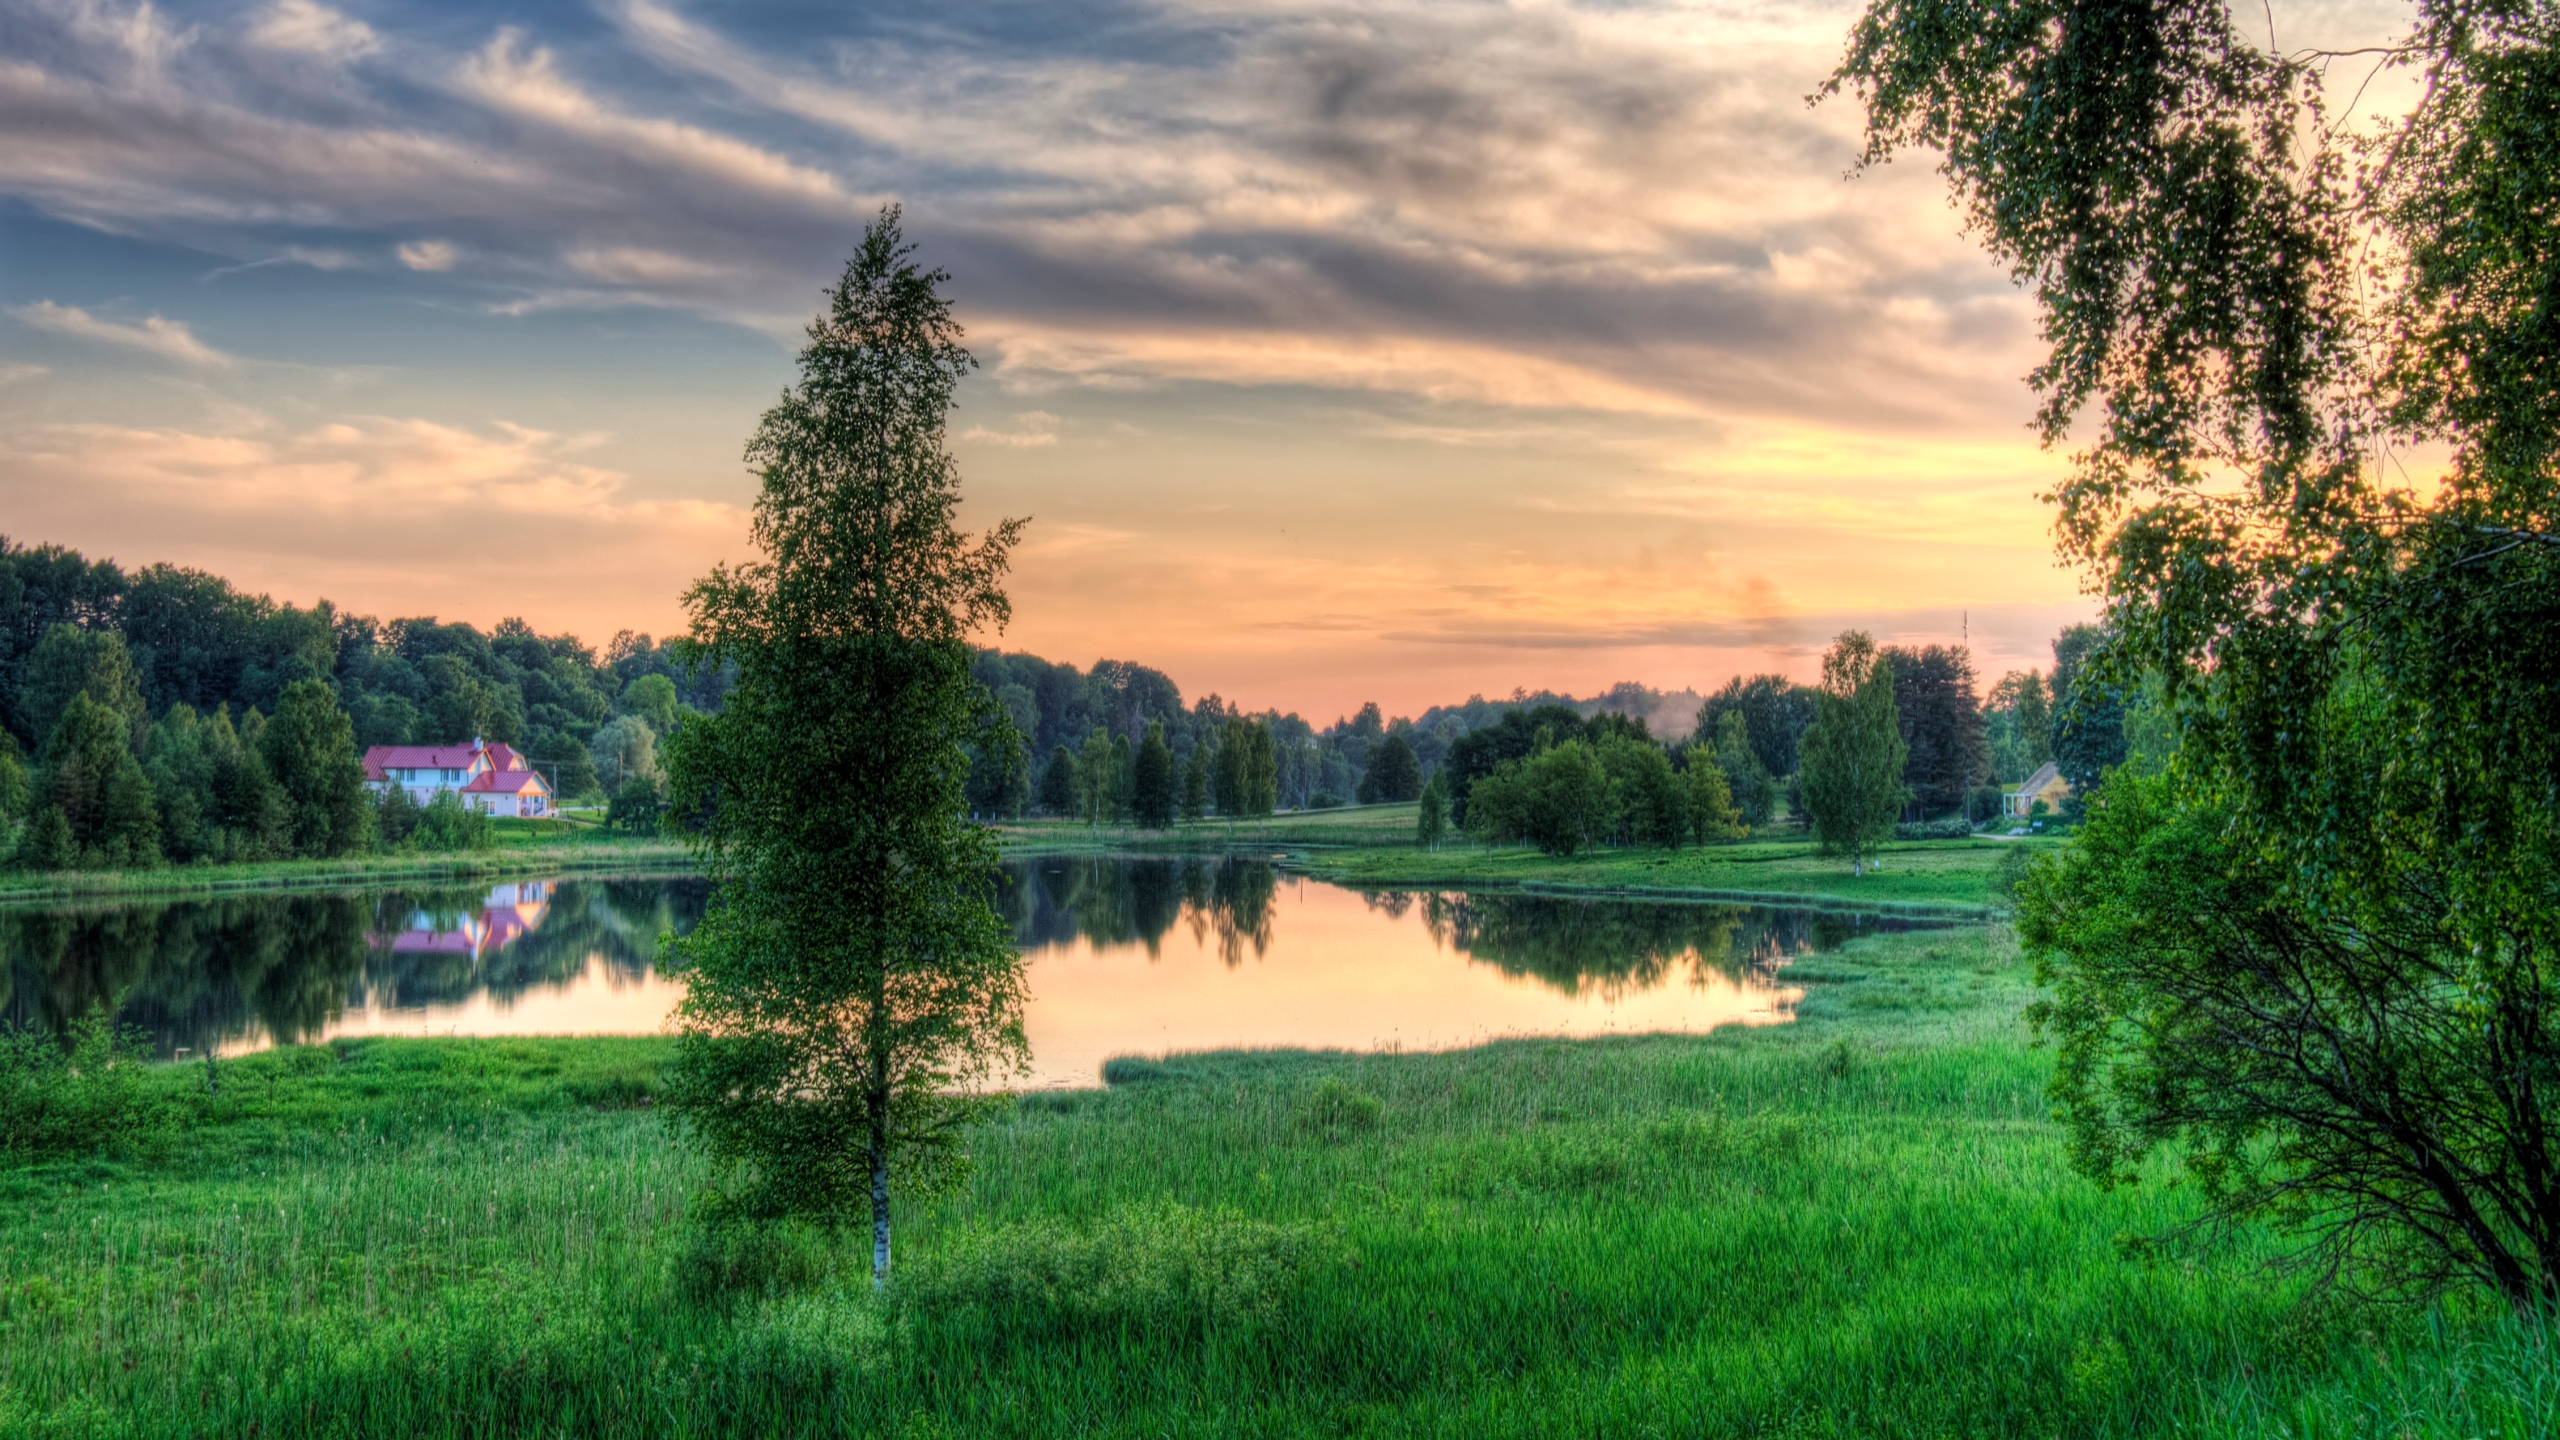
(1371, 847)
(524, 848)
(1859, 1224)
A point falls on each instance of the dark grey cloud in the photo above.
(1637, 195)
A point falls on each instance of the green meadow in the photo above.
(1860, 1224)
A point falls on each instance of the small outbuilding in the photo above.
(2046, 785)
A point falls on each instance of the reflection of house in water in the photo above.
(510, 913)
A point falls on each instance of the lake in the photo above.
(1125, 956)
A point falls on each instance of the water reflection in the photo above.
(299, 966)
(1127, 955)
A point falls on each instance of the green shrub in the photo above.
(1954, 827)
(447, 826)
(1163, 1269)
(90, 1094)
(1324, 800)
(1335, 1111)
(744, 1261)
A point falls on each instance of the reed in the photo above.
(1857, 1225)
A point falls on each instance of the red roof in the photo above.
(416, 757)
(507, 782)
(503, 758)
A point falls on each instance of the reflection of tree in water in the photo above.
(191, 972)
(1108, 902)
(1615, 948)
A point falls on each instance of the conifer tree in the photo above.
(851, 986)
(1151, 786)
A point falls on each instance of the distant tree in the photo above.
(652, 698)
(310, 751)
(248, 804)
(1235, 746)
(1153, 797)
(1261, 771)
(1124, 780)
(1433, 818)
(637, 806)
(14, 792)
(1712, 814)
(395, 817)
(1775, 713)
(1393, 774)
(90, 778)
(1851, 759)
(2019, 714)
(1196, 784)
(851, 991)
(1747, 781)
(1941, 721)
(73, 661)
(1515, 736)
(1098, 784)
(622, 751)
(1557, 800)
(48, 845)
(1649, 804)
(1058, 785)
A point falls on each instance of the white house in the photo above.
(490, 778)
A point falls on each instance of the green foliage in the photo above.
(2019, 725)
(1712, 814)
(446, 826)
(1774, 714)
(1246, 778)
(623, 750)
(1195, 783)
(48, 844)
(72, 660)
(652, 698)
(1557, 800)
(1431, 817)
(1852, 757)
(1152, 795)
(637, 806)
(1325, 800)
(1753, 792)
(1098, 779)
(1954, 827)
(1941, 726)
(84, 1093)
(1059, 785)
(1393, 774)
(309, 747)
(90, 778)
(2250, 308)
(850, 987)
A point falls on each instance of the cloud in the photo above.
(436, 255)
(168, 339)
(1032, 429)
(21, 374)
(392, 514)
(312, 29)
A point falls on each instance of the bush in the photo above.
(90, 1094)
(1324, 800)
(1954, 827)
(1334, 1111)
(1163, 1270)
(447, 826)
(1983, 804)
(636, 806)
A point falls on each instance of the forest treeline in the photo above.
(176, 755)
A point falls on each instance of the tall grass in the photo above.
(1859, 1225)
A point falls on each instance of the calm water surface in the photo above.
(1126, 956)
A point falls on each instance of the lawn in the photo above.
(1857, 1225)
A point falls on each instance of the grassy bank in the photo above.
(1859, 1225)
(524, 847)
(1372, 847)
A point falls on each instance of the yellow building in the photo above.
(2046, 785)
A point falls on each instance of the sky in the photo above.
(1395, 351)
